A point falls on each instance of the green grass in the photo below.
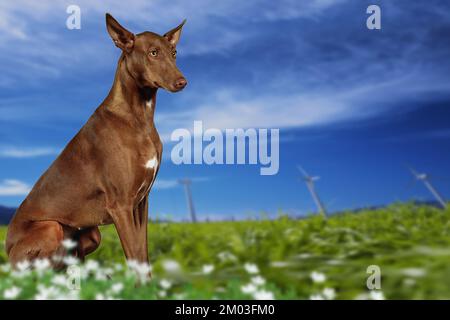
(410, 244)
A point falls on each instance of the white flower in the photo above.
(179, 296)
(100, 275)
(100, 296)
(165, 284)
(162, 294)
(263, 295)
(70, 260)
(207, 268)
(41, 264)
(69, 244)
(414, 272)
(409, 282)
(59, 280)
(5, 267)
(91, 265)
(20, 274)
(132, 264)
(22, 269)
(12, 293)
(47, 293)
(70, 295)
(329, 293)
(110, 271)
(318, 277)
(117, 288)
(142, 270)
(249, 288)
(171, 266)
(23, 265)
(251, 268)
(57, 258)
(279, 264)
(362, 296)
(226, 256)
(316, 297)
(258, 281)
(377, 295)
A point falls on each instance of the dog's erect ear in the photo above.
(174, 35)
(122, 38)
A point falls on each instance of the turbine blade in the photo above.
(414, 172)
(305, 174)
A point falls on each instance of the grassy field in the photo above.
(311, 258)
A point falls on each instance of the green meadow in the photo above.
(284, 258)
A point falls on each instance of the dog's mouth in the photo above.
(168, 88)
(158, 86)
(155, 84)
(175, 89)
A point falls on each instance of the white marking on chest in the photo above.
(152, 163)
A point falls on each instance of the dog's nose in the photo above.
(180, 83)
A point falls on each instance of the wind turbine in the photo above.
(187, 189)
(426, 181)
(309, 180)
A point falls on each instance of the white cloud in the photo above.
(32, 152)
(173, 183)
(165, 184)
(243, 107)
(19, 16)
(11, 187)
(240, 109)
(212, 27)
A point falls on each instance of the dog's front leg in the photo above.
(131, 225)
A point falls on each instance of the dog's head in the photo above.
(149, 57)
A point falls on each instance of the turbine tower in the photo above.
(309, 180)
(426, 181)
(190, 203)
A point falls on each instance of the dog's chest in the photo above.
(147, 165)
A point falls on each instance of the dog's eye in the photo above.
(174, 53)
(154, 53)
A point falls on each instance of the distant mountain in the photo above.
(6, 214)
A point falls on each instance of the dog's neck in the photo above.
(127, 99)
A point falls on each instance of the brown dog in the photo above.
(105, 173)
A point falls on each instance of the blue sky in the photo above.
(353, 105)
